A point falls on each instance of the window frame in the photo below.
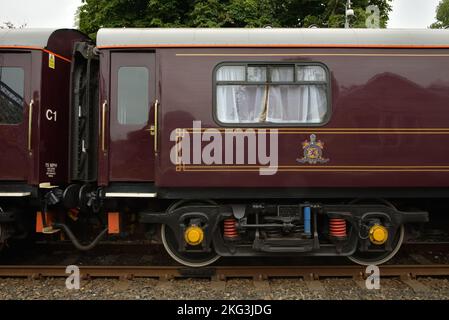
(269, 65)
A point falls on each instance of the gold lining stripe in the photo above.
(273, 45)
(336, 131)
(321, 129)
(255, 168)
(317, 167)
(309, 55)
(315, 170)
(355, 132)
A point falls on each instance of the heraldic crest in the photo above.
(313, 152)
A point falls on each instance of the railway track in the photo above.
(226, 272)
(123, 263)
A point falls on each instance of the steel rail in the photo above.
(224, 272)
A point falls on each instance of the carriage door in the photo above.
(15, 104)
(133, 89)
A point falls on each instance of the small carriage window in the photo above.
(12, 81)
(133, 99)
(231, 73)
(311, 73)
(272, 94)
(257, 74)
(282, 74)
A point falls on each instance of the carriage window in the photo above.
(12, 81)
(133, 95)
(282, 74)
(272, 94)
(257, 74)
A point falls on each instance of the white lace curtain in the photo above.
(283, 103)
(237, 103)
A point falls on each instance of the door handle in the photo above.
(154, 129)
(103, 126)
(30, 124)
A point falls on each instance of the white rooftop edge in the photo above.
(31, 37)
(274, 36)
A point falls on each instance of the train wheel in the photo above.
(375, 258)
(189, 259)
(378, 258)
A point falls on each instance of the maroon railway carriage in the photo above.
(35, 67)
(257, 142)
(266, 141)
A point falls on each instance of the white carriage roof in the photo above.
(26, 37)
(184, 37)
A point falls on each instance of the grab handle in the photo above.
(103, 126)
(30, 125)
(156, 110)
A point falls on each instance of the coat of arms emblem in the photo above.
(313, 151)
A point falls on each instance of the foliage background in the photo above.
(94, 14)
(442, 15)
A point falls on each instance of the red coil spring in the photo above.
(230, 229)
(337, 227)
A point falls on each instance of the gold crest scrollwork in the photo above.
(312, 152)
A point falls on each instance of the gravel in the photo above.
(276, 289)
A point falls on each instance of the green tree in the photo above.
(167, 13)
(250, 13)
(207, 14)
(333, 14)
(442, 15)
(94, 14)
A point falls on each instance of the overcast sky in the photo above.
(39, 13)
(60, 13)
(412, 13)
